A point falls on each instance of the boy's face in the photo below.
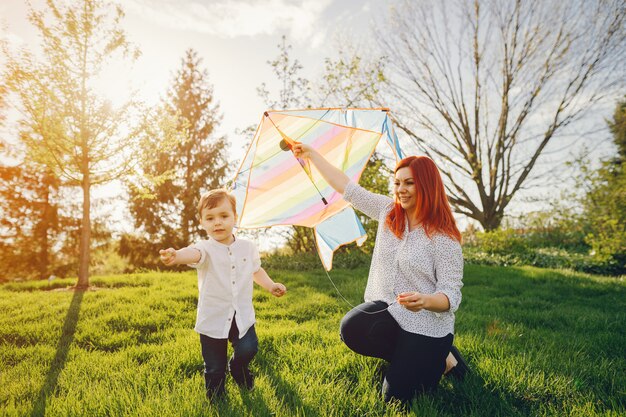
(218, 221)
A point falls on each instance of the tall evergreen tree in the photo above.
(202, 156)
(195, 163)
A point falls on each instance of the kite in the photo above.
(273, 187)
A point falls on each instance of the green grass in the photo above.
(539, 342)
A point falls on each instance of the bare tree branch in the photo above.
(490, 84)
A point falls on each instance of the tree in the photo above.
(486, 87)
(618, 128)
(187, 157)
(604, 204)
(350, 80)
(40, 227)
(346, 82)
(202, 155)
(65, 125)
(294, 90)
(293, 94)
(30, 219)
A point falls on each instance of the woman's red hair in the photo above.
(432, 208)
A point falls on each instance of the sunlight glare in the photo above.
(122, 81)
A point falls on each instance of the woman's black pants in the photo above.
(416, 362)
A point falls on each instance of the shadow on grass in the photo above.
(285, 391)
(58, 363)
(252, 400)
(470, 395)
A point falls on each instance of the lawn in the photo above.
(539, 342)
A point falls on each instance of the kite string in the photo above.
(350, 304)
(345, 299)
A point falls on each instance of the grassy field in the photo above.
(539, 342)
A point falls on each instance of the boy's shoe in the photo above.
(243, 377)
(215, 385)
(460, 369)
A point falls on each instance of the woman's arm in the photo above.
(448, 269)
(334, 176)
(416, 301)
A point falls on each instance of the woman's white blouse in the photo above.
(413, 263)
(225, 286)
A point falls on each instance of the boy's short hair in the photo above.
(212, 198)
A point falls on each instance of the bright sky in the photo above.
(234, 38)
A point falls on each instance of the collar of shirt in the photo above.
(214, 242)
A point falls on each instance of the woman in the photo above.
(415, 278)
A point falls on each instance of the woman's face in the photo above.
(404, 187)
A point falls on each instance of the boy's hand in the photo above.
(168, 256)
(278, 289)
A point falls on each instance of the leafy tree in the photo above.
(294, 90)
(293, 94)
(350, 80)
(605, 201)
(40, 228)
(65, 125)
(183, 152)
(618, 128)
(340, 87)
(486, 87)
(30, 223)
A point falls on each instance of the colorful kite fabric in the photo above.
(273, 187)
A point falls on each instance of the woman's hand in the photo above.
(278, 289)
(301, 150)
(168, 256)
(413, 301)
(333, 175)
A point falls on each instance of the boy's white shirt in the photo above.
(225, 286)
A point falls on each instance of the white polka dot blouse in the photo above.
(413, 263)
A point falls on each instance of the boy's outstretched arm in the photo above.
(172, 256)
(275, 288)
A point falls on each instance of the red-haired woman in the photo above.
(415, 278)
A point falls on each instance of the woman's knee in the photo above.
(349, 330)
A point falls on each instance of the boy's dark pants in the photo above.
(416, 362)
(214, 353)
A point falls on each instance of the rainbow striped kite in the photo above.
(273, 187)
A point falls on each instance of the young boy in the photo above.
(226, 268)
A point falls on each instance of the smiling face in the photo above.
(404, 188)
(218, 221)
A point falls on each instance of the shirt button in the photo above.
(244, 259)
(233, 282)
(233, 267)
